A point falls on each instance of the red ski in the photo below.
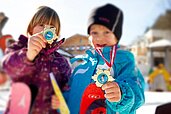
(20, 99)
(93, 101)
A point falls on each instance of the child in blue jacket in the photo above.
(108, 80)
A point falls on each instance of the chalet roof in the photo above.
(75, 35)
(76, 40)
(160, 44)
(163, 22)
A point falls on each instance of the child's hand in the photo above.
(55, 102)
(35, 45)
(112, 91)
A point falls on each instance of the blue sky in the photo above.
(138, 15)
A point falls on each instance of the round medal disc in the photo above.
(50, 34)
(101, 77)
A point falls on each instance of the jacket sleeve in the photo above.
(131, 83)
(67, 92)
(65, 72)
(74, 70)
(16, 64)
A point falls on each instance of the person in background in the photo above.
(5, 41)
(33, 57)
(108, 81)
(3, 20)
(159, 79)
(3, 76)
(3, 45)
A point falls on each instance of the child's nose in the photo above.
(100, 37)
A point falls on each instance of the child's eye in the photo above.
(107, 32)
(93, 33)
(52, 27)
(42, 25)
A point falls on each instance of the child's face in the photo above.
(101, 36)
(39, 28)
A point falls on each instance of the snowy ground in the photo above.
(153, 99)
(4, 95)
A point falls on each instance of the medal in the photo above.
(103, 76)
(50, 34)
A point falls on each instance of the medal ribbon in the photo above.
(112, 55)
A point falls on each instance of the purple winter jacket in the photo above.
(36, 74)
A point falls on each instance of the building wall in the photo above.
(156, 34)
(160, 30)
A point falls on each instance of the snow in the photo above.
(152, 100)
(160, 43)
(4, 95)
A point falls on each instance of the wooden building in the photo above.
(76, 44)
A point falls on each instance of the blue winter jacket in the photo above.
(126, 74)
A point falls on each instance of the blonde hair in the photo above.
(44, 15)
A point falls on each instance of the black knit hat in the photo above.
(109, 16)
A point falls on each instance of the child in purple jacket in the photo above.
(33, 57)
